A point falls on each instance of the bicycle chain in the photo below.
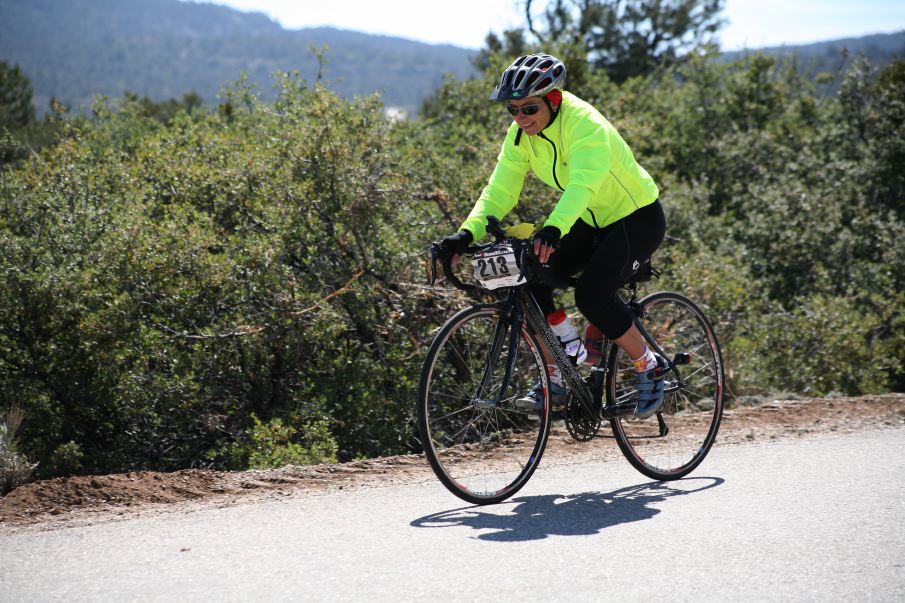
(579, 426)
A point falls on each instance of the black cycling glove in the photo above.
(455, 244)
(548, 235)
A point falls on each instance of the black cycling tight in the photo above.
(607, 258)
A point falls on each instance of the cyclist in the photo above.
(606, 224)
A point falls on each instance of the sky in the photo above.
(465, 23)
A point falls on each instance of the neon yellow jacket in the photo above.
(581, 154)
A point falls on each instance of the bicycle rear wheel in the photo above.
(481, 447)
(672, 443)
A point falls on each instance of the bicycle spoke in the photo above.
(700, 395)
(452, 414)
(690, 375)
(492, 425)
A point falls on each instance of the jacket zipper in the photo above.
(555, 179)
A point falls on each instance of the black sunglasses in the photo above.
(525, 109)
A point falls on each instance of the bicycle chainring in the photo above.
(580, 427)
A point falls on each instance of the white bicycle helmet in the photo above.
(531, 75)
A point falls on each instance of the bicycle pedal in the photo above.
(682, 359)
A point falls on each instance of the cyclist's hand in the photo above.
(545, 243)
(453, 245)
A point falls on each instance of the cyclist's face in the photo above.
(531, 124)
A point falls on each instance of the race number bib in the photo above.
(496, 267)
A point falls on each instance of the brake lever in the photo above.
(495, 228)
(434, 249)
(523, 261)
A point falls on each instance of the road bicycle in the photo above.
(483, 448)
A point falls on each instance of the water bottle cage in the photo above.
(572, 349)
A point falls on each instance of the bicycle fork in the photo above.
(510, 322)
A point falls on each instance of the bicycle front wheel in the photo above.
(672, 443)
(481, 447)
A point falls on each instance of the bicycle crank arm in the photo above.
(625, 409)
(616, 411)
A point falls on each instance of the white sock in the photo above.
(646, 362)
(555, 375)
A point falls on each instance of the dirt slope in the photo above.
(90, 499)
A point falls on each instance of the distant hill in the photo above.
(829, 56)
(74, 50)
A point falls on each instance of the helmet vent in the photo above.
(517, 82)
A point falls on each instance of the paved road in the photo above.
(820, 519)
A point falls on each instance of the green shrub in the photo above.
(801, 350)
(67, 458)
(276, 444)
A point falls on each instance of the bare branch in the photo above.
(340, 291)
(239, 332)
(440, 197)
(251, 330)
(530, 21)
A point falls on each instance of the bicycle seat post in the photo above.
(632, 286)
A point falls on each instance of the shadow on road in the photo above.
(536, 517)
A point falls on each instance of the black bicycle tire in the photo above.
(426, 441)
(625, 446)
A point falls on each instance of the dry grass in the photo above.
(15, 470)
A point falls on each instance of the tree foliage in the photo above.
(628, 38)
(16, 108)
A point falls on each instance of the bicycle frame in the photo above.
(481, 440)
